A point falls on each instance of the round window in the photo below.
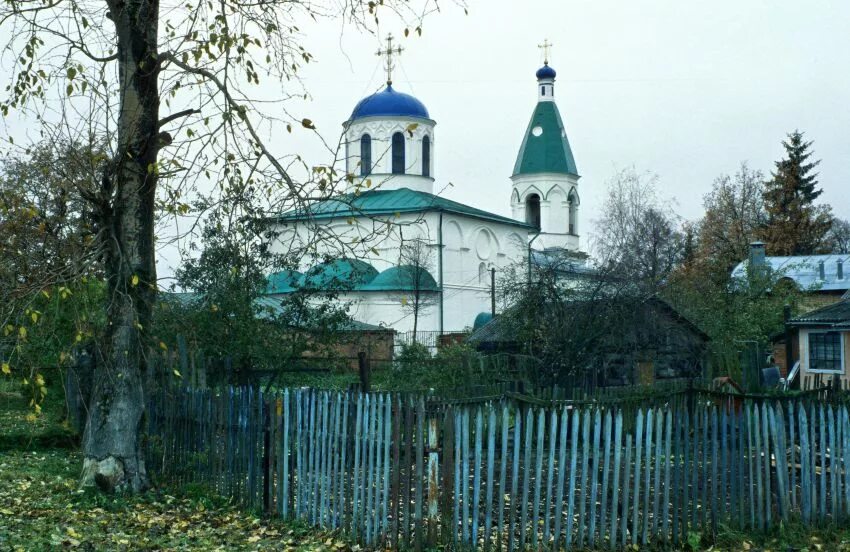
(537, 131)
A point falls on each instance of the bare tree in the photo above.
(416, 263)
(637, 234)
(588, 326)
(167, 89)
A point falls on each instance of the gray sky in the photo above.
(686, 90)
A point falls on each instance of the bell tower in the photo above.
(545, 177)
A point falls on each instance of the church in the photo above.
(403, 256)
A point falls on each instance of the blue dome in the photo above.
(545, 72)
(389, 103)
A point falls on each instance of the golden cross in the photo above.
(389, 54)
(546, 46)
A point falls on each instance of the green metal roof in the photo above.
(389, 202)
(338, 274)
(284, 281)
(547, 151)
(402, 278)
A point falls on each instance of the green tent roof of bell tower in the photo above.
(545, 148)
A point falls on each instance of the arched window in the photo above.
(398, 153)
(426, 156)
(482, 274)
(365, 155)
(532, 210)
(573, 221)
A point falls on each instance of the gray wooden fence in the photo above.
(396, 471)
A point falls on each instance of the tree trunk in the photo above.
(112, 445)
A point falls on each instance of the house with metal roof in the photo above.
(364, 236)
(820, 343)
(825, 277)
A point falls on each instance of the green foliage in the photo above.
(48, 332)
(50, 283)
(694, 540)
(21, 429)
(795, 225)
(226, 313)
(413, 353)
(730, 310)
(459, 352)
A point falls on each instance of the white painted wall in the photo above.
(381, 129)
(804, 352)
(554, 191)
(470, 248)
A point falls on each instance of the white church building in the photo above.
(416, 258)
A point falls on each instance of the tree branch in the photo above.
(240, 109)
(174, 116)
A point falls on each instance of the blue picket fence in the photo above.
(399, 471)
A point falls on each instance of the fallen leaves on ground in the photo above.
(41, 508)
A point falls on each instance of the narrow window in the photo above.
(365, 155)
(532, 210)
(543, 90)
(825, 352)
(398, 153)
(482, 274)
(426, 156)
(573, 213)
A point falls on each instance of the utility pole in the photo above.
(493, 291)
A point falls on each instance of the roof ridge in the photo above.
(418, 201)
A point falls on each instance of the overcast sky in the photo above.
(685, 90)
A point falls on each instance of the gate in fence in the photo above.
(396, 471)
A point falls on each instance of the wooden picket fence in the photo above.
(398, 471)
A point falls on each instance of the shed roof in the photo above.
(836, 315)
(498, 330)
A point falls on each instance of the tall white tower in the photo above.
(545, 177)
(389, 138)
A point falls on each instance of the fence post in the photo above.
(267, 451)
(433, 480)
(363, 366)
(449, 502)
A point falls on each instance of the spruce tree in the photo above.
(795, 225)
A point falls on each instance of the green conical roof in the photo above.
(545, 147)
